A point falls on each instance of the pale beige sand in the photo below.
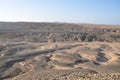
(58, 61)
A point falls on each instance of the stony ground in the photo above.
(58, 61)
(59, 51)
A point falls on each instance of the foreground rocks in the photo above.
(45, 61)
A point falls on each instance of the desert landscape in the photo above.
(59, 51)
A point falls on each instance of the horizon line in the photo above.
(59, 22)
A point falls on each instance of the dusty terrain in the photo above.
(59, 51)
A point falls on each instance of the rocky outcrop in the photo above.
(52, 32)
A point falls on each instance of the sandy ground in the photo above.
(60, 61)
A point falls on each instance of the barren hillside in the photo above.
(59, 51)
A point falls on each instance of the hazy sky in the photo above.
(75, 11)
